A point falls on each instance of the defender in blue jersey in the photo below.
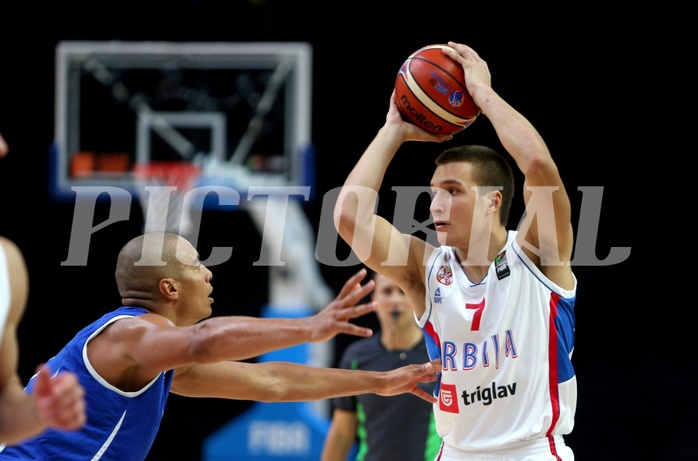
(161, 341)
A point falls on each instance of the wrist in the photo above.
(390, 137)
(483, 95)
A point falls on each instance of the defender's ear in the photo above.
(169, 288)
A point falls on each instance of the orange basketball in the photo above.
(431, 92)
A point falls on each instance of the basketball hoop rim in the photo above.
(173, 173)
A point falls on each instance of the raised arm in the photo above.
(374, 239)
(546, 227)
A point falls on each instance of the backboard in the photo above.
(241, 111)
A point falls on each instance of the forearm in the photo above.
(372, 165)
(274, 382)
(340, 436)
(19, 418)
(356, 203)
(516, 133)
(240, 338)
(294, 382)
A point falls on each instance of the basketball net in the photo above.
(161, 187)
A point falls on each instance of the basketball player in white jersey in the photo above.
(58, 402)
(496, 305)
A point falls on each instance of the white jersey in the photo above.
(4, 291)
(506, 345)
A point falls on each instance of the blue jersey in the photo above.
(121, 426)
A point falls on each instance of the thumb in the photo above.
(41, 380)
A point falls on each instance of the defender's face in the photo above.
(195, 283)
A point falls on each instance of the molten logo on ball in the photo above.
(418, 117)
(431, 92)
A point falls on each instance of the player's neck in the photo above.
(473, 259)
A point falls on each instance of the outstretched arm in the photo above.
(546, 227)
(292, 382)
(152, 344)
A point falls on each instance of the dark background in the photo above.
(584, 77)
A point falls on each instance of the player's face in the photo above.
(455, 204)
(195, 284)
(394, 308)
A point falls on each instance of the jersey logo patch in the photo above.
(437, 296)
(500, 265)
(445, 275)
(448, 398)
